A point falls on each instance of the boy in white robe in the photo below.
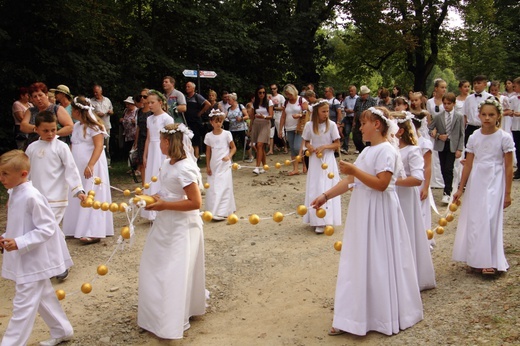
(34, 251)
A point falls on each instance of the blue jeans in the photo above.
(295, 142)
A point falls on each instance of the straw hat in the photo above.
(364, 90)
(130, 100)
(62, 89)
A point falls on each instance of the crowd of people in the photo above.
(406, 145)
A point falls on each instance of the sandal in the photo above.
(89, 240)
(488, 271)
(293, 173)
(334, 331)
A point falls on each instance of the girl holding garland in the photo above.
(377, 286)
(153, 157)
(171, 272)
(409, 198)
(487, 176)
(321, 136)
(220, 148)
(87, 139)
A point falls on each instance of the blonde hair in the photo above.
(367, 114)
(407, 137)
(291, 89)
(86, 119)
(160, 98)
(315, 116)
(175, 143)
(16, 160)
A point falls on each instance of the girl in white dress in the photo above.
(321, 136)
(88, 134)
(152, 157)
(487, 176)
(377, 286)
(220, 148)
(435, 107)
(171, 272)
(409, 197)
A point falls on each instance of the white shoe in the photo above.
(319, 229)
(54, 342)
(445, 199)
(356, 152)
(262, 170)
(256, 170)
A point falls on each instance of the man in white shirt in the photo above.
(346, 124)
(103, 109)
(471, 104)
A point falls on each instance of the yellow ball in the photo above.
(86, 288)
(89, 202)
(429, 234)
(319, 155)
(254, 219)
(439, 230)
(232, 219)
(324, 166)
(96, 205)
(97, 180)
(234, 166)
(301, 210)
(125, 232)
(126, 193)
(338, 245)
(207, 216)
(450, 217)
(278, 165)
(443, 222)
(154, 179)
(206, 185)
(105, 206)
(102, 269)
(113, 207)
(122, 207)
(84, 203)
(146, 185)
(329, 230)
(287, 162)
(298, 158)
(60, 294)
(266, 167)
(453, 207)
(330, 175)
(278, 217)
(321, 213)
(138, 191)
(92, 193)
(307, 153)
(458, 202)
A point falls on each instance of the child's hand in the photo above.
(208, 170)
(346, 167)
(507, 200)
(88, 172)
(456, 196)
(443, 138)
(225, 158)
(158, 205)
(424, 194)
(82, 196)
(8, 244)
(458, 154)
(318, 201)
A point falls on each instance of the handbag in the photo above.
(133, 158)
(302, 121)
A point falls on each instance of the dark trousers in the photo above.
(347, 129)
(447, 160)
(516, 139)
(357, 137)
(468, 132)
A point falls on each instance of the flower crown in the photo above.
(216, 113)
(319, 103)
(408, 116)
(380, 114)
(180, 128)
(82, 106)
(491, 101)
(158, 94)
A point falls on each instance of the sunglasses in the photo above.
(261, 92)
(144, 96)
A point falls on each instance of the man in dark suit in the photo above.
(448, 129)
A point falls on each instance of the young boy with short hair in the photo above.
(53, 168)
(34, 251)
(449, 140)
(471, 119)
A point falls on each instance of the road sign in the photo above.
(190, 73)
(203, 74)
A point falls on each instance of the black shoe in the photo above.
(63, 275)
(516, 176)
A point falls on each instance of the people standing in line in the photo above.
(20, 106)
(171, 271)
(346, 124)
(196, 106)
(275, 141)
(104, 110)
(260, 114)
(38, 92)
(375, 237)
(237, 117)
(471, 117)
(152, 155)
(407, 187)
(364, 102)
(88, 224)
(295, 108)
(34, 251)
(486, 185)
(220, 148)
(129, 121)
(143, 112)
(449, 140)
(176, 101)
(321, 137)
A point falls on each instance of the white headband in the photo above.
(180, 128)
(216, 113)
(88, 108)
(380, 114)
(408, 116)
